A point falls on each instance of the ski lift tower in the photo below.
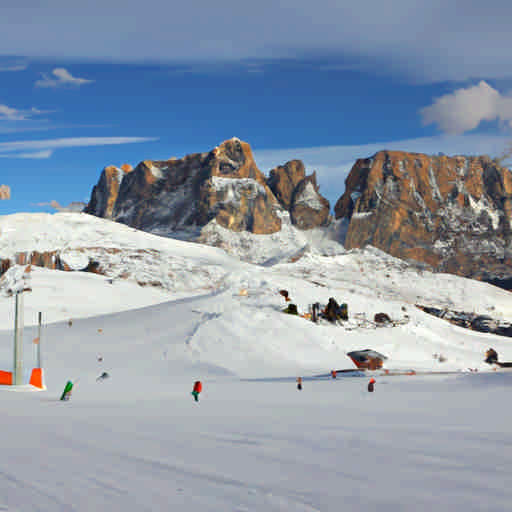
(21, 286)
(20, 283)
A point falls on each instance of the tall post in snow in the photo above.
(38, 346)
(17, 379)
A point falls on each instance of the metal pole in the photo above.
(15, 353)
(39, 363)
(18, 341)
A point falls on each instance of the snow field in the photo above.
(138, 442)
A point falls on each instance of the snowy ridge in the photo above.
(120, 252)
(265, 249)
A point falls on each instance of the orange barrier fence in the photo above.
(5, 378)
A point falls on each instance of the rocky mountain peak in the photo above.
(5, 192)
(453, 213)
(182, 195)
(309, 208)
(299, 194)
(284, 178)
(104, 194)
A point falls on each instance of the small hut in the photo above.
(367, 359)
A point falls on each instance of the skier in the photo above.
(198, 387)
(333, 374)
(103, 376)
(299, 383)
(314, 312)
(491, 356)
(66, 394)
(285, 294)
(371, 385)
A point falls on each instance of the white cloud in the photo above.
(13, 67)
(35, 155)
(10, 113)
(44, 148)
(61, 77)
(13, 114)
(465, 109)
(430, 40)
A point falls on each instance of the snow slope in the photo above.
(284, 244)
(138, 442)
(123, 253)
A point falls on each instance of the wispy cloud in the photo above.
(10, 113)
(13, 114)
(44, 148)
(35, 155)
(75, 206)
(13, 67)
(464, 109)
(401, 36)
(61, 78)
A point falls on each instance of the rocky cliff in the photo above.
(299, 195)
(224, 185)
(453, 213)
(5, 192)
(104, 194)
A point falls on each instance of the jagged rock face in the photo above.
(178, 194)
(47, 259)
(5, 192)
(453, 213)
(299, 194)
(236, 194)
(104, 194)
(308, 208)
(283, 180)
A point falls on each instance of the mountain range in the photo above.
(450, 214)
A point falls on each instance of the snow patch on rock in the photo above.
(14, 280)
(74, 259)
(309, 197)
(361, 215)
(482, 206)
(156, 172)
(233, 187)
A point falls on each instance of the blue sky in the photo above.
(85, 85)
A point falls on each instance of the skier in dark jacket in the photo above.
(371, 385)
(491, 356)
(331, 310)
(299, 383)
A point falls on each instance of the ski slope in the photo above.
(138, 442)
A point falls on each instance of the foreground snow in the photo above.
(413, 445)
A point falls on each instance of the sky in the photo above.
(84, 85)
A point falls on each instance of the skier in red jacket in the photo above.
(198, 387)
